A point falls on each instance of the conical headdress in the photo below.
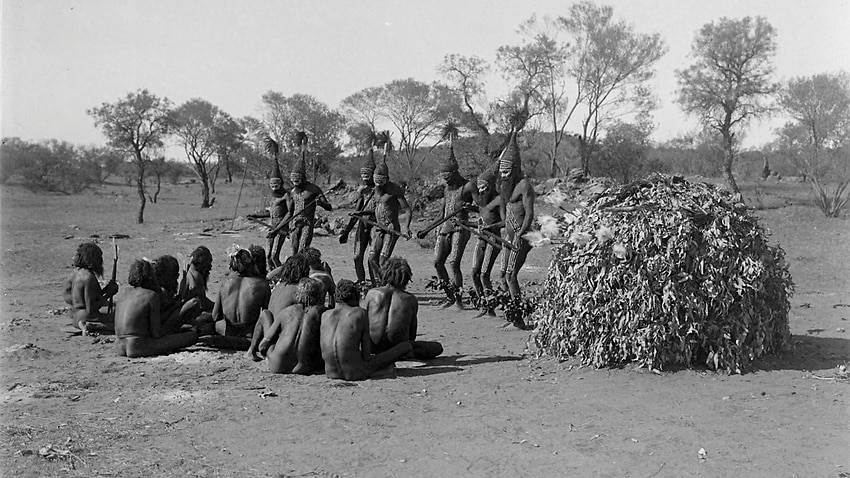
(489, 174)
(301, 166)
(449, 165)
(510, 156)
(368, 164)
(385, 141)
(272, 148)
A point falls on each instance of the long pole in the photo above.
(239, 196)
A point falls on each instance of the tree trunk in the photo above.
(140, 183)
(553, 168)
(728, 157)
(205, 190)
(158, 186)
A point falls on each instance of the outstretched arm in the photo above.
(322, 201)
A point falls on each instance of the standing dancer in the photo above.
(365, 208)
(517, 196)
(277, 209)
(488, 203)
(389, 199)
(451, 239)
(303, 198)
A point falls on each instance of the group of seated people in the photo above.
(295, 317)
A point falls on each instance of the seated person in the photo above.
(174, 312)
(83, 293)
(259, 255)
(345, 342)
(237, 308)
(321, 271)
(195, 279)
(296, 349)
(137, 320)
(292, 271)
(393, 313)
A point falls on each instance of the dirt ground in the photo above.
(70, 407)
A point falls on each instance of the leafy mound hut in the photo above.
(662, 272)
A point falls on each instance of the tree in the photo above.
(100, 163)
(362, 107)
(228, 136)
(611, 64)
(622, 153)
(159, 168)
(194, 124)
(816, 140)
(416, 110)
(133, 124)
(465, 74)
(730, 80)
(284, 116)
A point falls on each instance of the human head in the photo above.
(259, 256)
(276, 184)
(381, 174)
(242, 263)
(347, 292)
(313, 256)
(509, 161)
(201, 260)
(167, 271)
(89, 256)
(294, 269)
(367, 168)
(309, 292)
(142, 274)
(449, 167)
(397, 273)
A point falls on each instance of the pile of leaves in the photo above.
(663, 272)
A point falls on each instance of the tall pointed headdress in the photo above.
(301, 166)
(386, 142)
(450, 132)
(368, 164)
(273, 149)
(510, 156)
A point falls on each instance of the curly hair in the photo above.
(167, 271)
(202, 259)
(142, 274)
(259, 255)
(347, 292)
(242, 263)
(397, 273)
(89, 256)
(295, 268)
(309, 292)
(313, 256)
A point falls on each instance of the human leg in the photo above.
(295, 238)
(361, 243)
(375, 257)
(133, 347)
(423, 350)
(264, 323)
(442, 248)
(388, 358)
(459, 241)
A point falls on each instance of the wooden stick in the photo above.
(110, 306)
(375, 224)
(441, 221)
(488, 236)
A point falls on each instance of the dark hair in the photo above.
(89, 256)
(202, 256)
(242, 263)
(259, 255)
(313, 256)
(142, 275)
(167, 271)
(397, 273)
(347, 291)
(309, 292)
(295, 268)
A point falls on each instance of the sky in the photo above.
(60, 58)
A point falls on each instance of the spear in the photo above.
(110, 306)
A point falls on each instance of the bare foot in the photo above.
(459, 305)
(252, 354)
(487, 312)
(264, 345)
(448, 303)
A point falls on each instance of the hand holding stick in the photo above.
(110, 306)
(383, 228)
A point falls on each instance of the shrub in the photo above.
(664, 272)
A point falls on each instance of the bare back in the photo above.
(392, 317)
(137, 313)
(82, 291)
(345, 343)
(297, 349)
(241, 299)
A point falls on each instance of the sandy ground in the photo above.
(483, 409)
